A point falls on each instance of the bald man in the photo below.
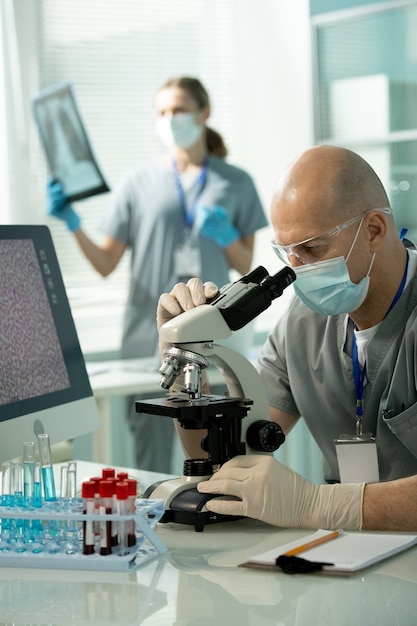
(343, 356)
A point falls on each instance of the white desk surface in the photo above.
(198, 583)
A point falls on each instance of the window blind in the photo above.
(4, 190)
(117, 54)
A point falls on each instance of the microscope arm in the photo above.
(241, 377)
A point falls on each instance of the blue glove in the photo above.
(57, 206)
(214, 223)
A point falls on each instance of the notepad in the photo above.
(346, 554)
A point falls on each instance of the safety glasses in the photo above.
(320, 247)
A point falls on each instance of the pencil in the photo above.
(315, 542)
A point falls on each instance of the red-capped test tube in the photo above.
(122, 476)
(114, 481)
(106, 508)
(132, 491)
(88, 493)
(96, 480)
(122, 509)
(108, 472)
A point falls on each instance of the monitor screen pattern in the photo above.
(29, 342)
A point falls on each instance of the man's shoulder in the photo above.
(297, 323)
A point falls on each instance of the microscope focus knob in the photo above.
(264, 436)
(198, 467)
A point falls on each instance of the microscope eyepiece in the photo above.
(255, 276)
(280, 281)
(246, 299)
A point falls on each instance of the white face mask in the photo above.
(325, 287)
(178, 130)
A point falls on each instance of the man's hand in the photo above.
(273, 493)
(184, 297)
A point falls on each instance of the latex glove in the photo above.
(57, 206)
(214, 223)
(184, 297)
(273, 493)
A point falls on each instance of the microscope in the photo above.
(236, 423)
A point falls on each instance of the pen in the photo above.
(334, 534)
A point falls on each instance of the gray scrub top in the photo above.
(145, 213)
(306, 365)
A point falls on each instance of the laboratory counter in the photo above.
(198, 582)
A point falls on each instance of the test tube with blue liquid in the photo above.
(5, 501)
(46, 466)
(17, 483)
(5, 483)
(17, 530)
(37, 485)
(28, 471)
(37, 526)
(51, 534)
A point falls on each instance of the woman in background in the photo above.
(188, 213)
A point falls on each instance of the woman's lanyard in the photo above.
(359, 373)
(190, 214)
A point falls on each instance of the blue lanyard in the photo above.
(359, 373)
(190, 214)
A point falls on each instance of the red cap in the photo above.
(106, 488)
(121, 490)
(113, 481)
(88, 489)
(122, 476)
(133, 486)
(108, 472)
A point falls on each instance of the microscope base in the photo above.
(187, 508)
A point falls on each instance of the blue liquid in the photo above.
(48, 483)
(28, 478)
(37, 495)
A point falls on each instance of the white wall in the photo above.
(4, 183)
(273, 61)
(274, 103)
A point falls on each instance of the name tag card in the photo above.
(187, 261)
(357, 459)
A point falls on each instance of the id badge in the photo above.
(187, 261)
(357, 459)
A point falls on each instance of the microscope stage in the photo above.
(199, 412)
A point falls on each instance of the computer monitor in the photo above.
(43, 379)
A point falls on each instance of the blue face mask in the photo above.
(325, 287)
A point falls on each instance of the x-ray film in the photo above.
(64, 138)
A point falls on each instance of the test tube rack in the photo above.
(58, 541)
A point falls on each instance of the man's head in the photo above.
(333, 194)
(324, 187)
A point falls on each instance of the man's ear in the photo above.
(377, 227)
